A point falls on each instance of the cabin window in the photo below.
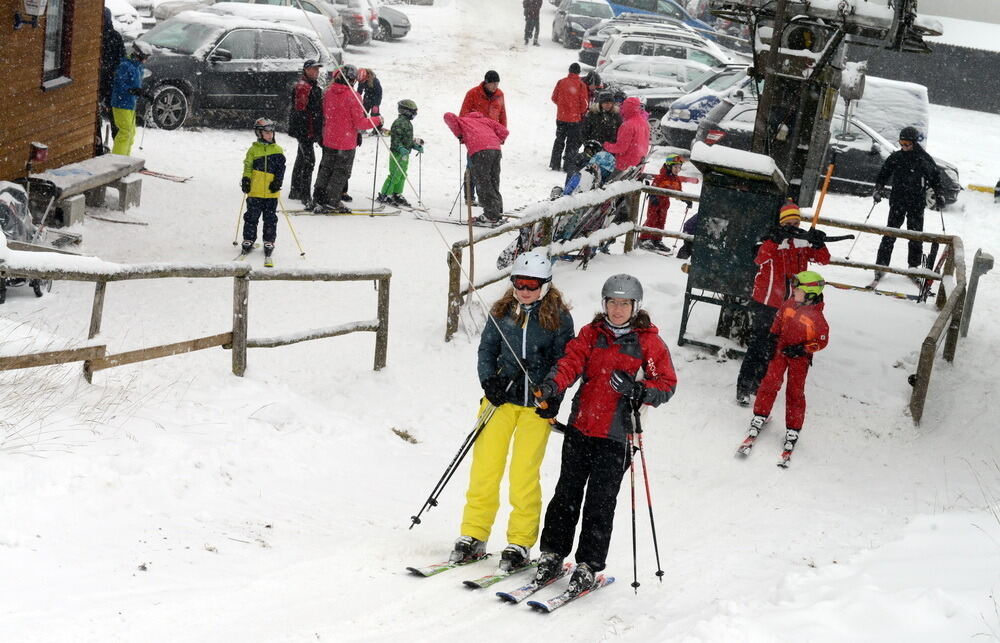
(55, 65)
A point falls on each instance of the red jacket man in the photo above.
(779, 260)
(632, 144)
(570, 97)
(487, 99)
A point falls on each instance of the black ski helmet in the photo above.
(910, 133)
(592, 147)
(407, 108)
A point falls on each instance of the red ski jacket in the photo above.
(598, 410)
(632, 143)
(801, 324)
(780, 261)
(490, 106)
(476, 131)
(344, 117)
(570, 97)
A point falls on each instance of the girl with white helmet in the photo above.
(529, 328)
(608, 354)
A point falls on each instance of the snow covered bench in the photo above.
(84, 183)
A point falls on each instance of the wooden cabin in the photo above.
(49, 84)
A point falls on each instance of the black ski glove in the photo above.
(939, 202)
(495, 389)
(627, 386)
(275, 186)
(547, 393)
(551, 408)
(816, 237)
(245, 184)
(794, 350)
(877, 194)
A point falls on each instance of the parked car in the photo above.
(574, 17)
(637, 72)
(595, 37)
(329, 34)
(668, 8)
(144, 8)
(681, 121)
(356, 15)
(860, 149)
(392, 23)
(210, 61)
(124, 18)
(702, 51)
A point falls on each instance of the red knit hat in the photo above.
(789, 213)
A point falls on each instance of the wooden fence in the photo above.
(95, 357)
(950, 298)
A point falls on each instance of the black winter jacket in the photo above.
(305, 120)
(537, 349)
(910, 173)
(601, 126)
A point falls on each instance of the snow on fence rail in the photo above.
(950, 299)
(34, 265)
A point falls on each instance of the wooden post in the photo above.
(382, 334)
(454, 292)
(924, 367)
(96, 314)
(633, 206)
(954, 326)
(241, 298)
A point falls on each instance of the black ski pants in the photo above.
(302, 171)
(913, 215)
(759, 349)
(531, 25)
(334, 171)
(590, 475)
(566, 145)
(255, 209)
(486, 172)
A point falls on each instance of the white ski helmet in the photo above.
(532, 264)
(622, 287)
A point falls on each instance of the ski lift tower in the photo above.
(799, 53)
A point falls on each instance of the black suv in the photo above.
(208, 61)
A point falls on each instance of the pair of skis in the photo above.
(268, 260)
(521, 593)
(747, 445)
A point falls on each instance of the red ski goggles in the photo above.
(526, 283)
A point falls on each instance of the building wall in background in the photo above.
(60, 113)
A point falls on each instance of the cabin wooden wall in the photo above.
(62, 117)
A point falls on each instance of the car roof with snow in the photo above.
(610, 65)
(229, 21)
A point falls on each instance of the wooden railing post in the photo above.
(454, 292)
(634, 203)
(954, 326)
(924, 367)
(382, 334)
(96, 314)
(241, 297)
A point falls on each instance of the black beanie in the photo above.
(492, 77)
(574, 68)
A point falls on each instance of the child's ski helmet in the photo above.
(673, 159)
(407, 107)
(592, 147)
(622, 287)
(532, 264)
(262, 125)
(810, 282)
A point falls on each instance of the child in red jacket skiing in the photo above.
(656, 215)
(608, 355)
(799, 330)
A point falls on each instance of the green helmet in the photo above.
(810, 282)
(673, 159)
(407, 105)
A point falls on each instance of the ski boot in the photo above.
(400, 200)
(535, 43)
(513, 556)
(484, 220)
(382, 198)
(646, 244)
(246, 247)
(268, 249)
(346, 198)
(791, 437)
(756, 425)
(549, 565)
(661, 247)
(582, 579)
(467, 548)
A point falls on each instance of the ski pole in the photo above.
(470, 439)
(649, 497)
(631, 473)
(378, 137)
(420, 179)
(683, 221)
(288, 220)
(142, 137)
(848, 256)
(239, 215)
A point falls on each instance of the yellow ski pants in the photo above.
(530, 435)
(125, 122)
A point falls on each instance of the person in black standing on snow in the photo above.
(603, 119)
(910, 170)
(532, 9)
(370, 88)
(112, 52)
(305, 124)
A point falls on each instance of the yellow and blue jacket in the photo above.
(264, 163)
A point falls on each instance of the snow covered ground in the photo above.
(173, 501)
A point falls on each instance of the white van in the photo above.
(701, 50)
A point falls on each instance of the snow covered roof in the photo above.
(746, 162)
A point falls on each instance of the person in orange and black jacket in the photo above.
(487, 99)
(609, 354)
(305, 125)
(781, 255)
(799, 330)
(570, 97)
